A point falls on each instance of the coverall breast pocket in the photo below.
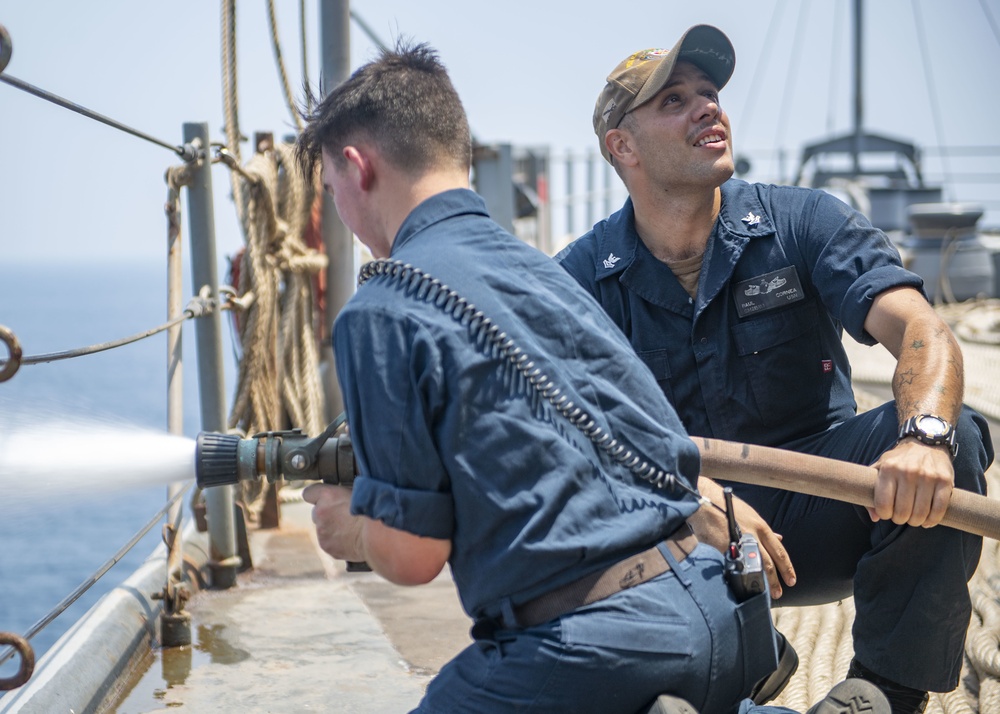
(781, 354)
(659, 365)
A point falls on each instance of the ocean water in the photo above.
(67, 425)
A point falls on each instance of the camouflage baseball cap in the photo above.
(642, 74)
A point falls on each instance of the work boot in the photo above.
(771, 686)
(904, 700)
(853, 696)
(669, 704)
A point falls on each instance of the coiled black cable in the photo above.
(485, 332)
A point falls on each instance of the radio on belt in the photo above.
(744, 567)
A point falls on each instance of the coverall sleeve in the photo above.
(852, 261)
(392, 380)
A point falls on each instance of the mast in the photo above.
(856, 143)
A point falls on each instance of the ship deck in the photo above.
(300, 628)
(300, 633)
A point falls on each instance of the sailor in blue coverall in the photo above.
(754, 355)
(452, 443)
(483, 393)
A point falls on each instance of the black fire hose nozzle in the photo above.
(227, 459)
(216, 459)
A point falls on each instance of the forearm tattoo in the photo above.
(910, 386)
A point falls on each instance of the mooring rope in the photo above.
(286, 87)
(230, 103)
(278, 377)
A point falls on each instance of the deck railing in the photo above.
(205, 308)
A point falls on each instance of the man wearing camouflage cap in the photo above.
(735, 295)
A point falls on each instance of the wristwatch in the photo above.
(930, 429)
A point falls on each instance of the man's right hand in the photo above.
(710, 525)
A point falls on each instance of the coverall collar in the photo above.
(741, 218)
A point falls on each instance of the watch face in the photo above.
(932, 426)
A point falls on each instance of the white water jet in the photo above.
(60, 460)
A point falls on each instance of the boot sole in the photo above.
(853, 696)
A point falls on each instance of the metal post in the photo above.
(570, 168)
(591, 190)
(219, 501)
(175, 624)
(335, 58)
(494, 169)
(858, 90)
(175, 366)
(544, 217)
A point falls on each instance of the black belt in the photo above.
(597, 586)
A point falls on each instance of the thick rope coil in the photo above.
(984, 634)
(279, 373)
(788, 621)
(257, 405)
(831, 627)
(975, 321)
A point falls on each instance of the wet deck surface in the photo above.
(299, 633)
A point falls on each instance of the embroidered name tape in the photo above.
(768, 291)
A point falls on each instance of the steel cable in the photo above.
(189, 313)
(186, 151)
(98, 574)
(198, 307)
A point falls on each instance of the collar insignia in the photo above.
(751, 220)
(610, 261)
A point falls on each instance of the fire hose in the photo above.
(227, 459)
(829, 478)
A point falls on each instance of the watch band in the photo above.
(930, 429)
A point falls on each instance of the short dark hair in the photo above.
(404, 103)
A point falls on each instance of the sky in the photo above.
(528, 72)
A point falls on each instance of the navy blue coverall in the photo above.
(452, 442)
(757, 357)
